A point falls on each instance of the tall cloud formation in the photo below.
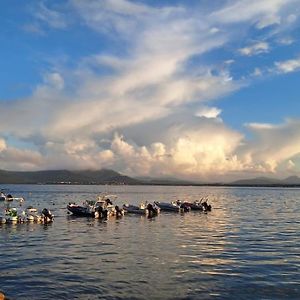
(146, 110)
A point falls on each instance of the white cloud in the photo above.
(257, 72)
(52, 18)
(208, 112)
(153, 78)
(288, 66)
(12, 158)
(229, 62)
(260, 47)
(192, 151)
(262, 13)
(260, 126)
(214, 30)
(272, 145)
(268, 21)
(292, 18)
(3, 145)
(55, 80)
(140, 115)
(115, 15)
(290, 165)
(286, 41)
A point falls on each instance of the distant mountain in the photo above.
(103, 176)
(265, 181)
(293, 180)
(106, 176)
(256, 181)
(164, 181)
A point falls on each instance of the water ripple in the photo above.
(247, 248)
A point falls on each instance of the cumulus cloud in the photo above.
(265, 153)
(199, 148)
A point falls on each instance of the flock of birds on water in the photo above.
(101, 208)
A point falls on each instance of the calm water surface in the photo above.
(248, 247)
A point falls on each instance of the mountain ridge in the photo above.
(267, 181)
(108, 176)
(103, 176)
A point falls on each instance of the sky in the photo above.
(200, 90)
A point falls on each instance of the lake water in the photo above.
(248, 247)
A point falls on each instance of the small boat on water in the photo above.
(9, 197)
(149, 209)
(2, 196)
(17, 215)
(105, 208)
(199, 205)
(134, 209)
(47, 216)
(11, 215)
(84, 210)
(102, 207)
(165, 206)
(174, 206)
(32, 214)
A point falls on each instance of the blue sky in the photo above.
(204, 90)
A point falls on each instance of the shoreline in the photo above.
(159, 184)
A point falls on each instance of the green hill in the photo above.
(103, 176)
